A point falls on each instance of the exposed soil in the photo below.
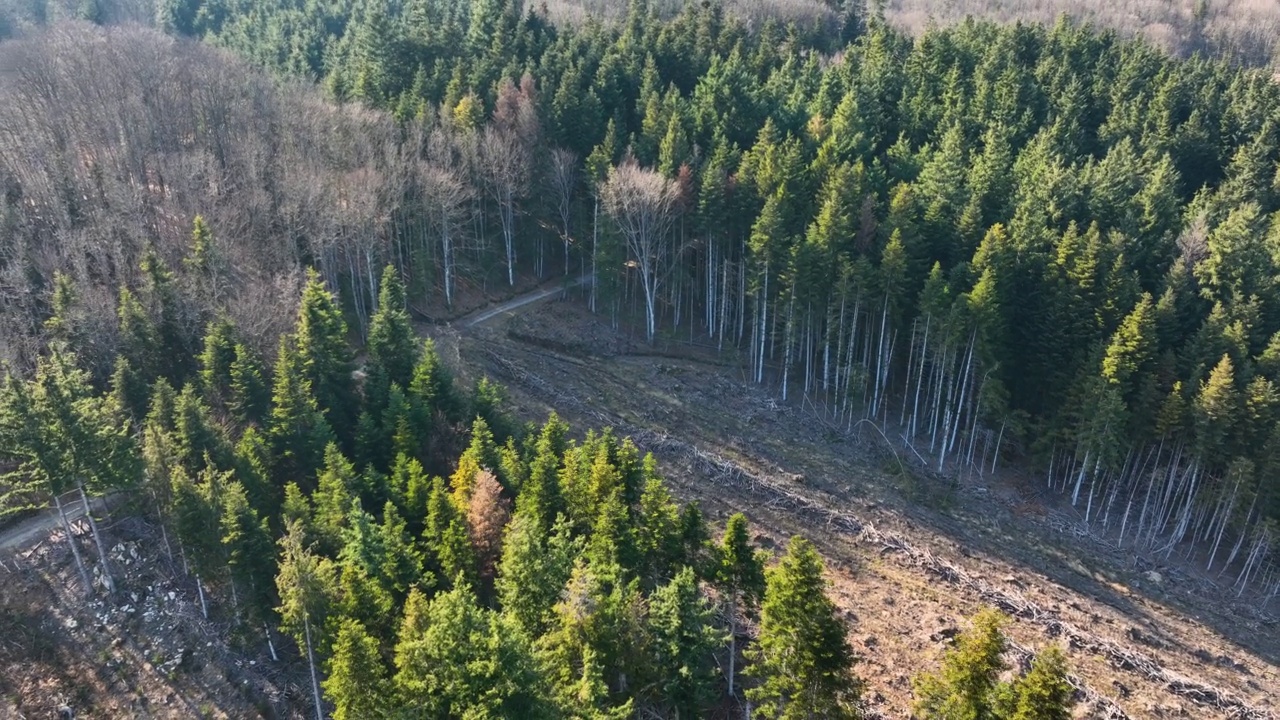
(911, 553)
(146, 652)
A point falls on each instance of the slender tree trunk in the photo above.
(75, 547)
(733, 638)
(1222, 526)
(311, 661)
(97, 540)
(204, 606)
(271, 646)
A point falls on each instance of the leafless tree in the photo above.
(506, 164)
(564, 180)
(643, 203)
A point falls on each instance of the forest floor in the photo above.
(911, 554)
(146, 653)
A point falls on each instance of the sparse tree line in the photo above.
(1039, 241)
(427, 565)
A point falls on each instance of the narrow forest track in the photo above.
(34, 528)
(533, 296)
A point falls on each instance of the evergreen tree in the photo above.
(324, 358)
(298, 429)
(391, 345)
(250, 555)
(803, 661)
(684, 643)
(965, 687)
(534, 568)
(357, 682)
(60, 437)
(458, 659)
(740, 578)
(250, 398)
(1044, 692)
(216, 362)
(304, 583)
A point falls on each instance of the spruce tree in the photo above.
(249, 552)
(803, 662)
(357, 683)
(966, 686)
(305, 582)
(298, 429)
(462, 660)
(391, 345)
(324, 358)
(534, 568)
(740, 577)
(1044, 692)
(249, 398)
(216, 361)
(684, 641)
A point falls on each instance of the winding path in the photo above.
(534, 296)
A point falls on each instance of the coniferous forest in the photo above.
(545, 577)
(1050, 246)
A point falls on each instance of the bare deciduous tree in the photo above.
(564, 180)
(643, 203)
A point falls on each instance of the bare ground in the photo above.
(146, 652)
(911, 554)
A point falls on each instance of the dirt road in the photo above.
(529, 298)
(32, 529)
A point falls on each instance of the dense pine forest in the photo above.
(1042, 243)
(1042, 246)
(546, 577)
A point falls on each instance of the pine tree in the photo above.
(357, 682)
(803, 661)
(684, 644)
(966, 686)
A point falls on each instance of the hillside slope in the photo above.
(911, 556)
